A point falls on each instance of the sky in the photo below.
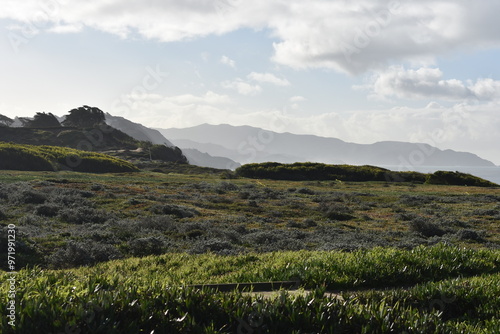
(361, 71)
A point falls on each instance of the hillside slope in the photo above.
(52, 158)
(96, 139)
(136, 130)
(246, 144)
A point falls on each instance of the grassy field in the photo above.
(114, 253)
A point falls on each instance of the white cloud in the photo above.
(228, 61)
(242, 87)
(297, 98)
(268, 78)
(349, 37)
(428, 83)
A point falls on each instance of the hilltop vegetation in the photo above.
(300, 171)
(51, 158)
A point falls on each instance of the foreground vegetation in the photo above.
(455, 294)
(116, 253)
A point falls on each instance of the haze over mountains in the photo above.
(246, 144)
(194, 156)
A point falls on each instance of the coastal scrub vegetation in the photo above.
(300, 171)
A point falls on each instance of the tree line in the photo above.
(81, 117)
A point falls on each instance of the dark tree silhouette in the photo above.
(5, 121)
(43, 120)
(85, 117)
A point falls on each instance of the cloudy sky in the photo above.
(362, 71)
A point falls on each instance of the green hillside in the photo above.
(52, 158)
(301, 171)
(91, 138)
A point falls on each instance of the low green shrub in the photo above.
(458, 179)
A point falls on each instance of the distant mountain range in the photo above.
(136, 130)
(246, 144)
(194, 156)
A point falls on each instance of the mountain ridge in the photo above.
(249, 144)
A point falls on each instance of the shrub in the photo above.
(158, 223)
(308, 222)
(82, 254)
(226, 186)
(69, 197)
(216, 245)
(458, 179)
(165, 153)
(426, 227)
(153, 245)
(47, 210)
(416, 200)
(25, 194)
(336, 211)
(468, 234)
(84, 215)
(305, 191)
(179, 211)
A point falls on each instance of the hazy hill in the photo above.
(201, 159)
(194, 156)
(136, 130)
(246, 144)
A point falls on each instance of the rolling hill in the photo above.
(246, 144)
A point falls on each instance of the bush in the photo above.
(176, 210)
(82, 254)
(224, 186)
(305, 191)
(426, 227)
(84, 215)
(416, 200)
(158, 223)
(468, 234)
(47, 210)
(216, 245)
(153, 245)
(165, 153)
(336, 211)
(28, 197)
(458, 179)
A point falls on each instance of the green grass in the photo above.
(148, 294)
(47, 158)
